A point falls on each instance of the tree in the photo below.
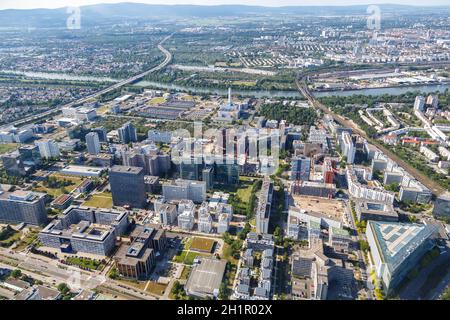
(363, 245)
(114, 274)
(16, 273)
(223, 291)
(278, 235)
(63, 288)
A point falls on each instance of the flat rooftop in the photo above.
(206, 277)
(330, 208)
(126, 169)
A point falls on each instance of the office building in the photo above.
(93, 143)
(300, 168)
(85, 230)
(102, 134)
(23, 207)
(127, 133)
(137, 259)
(48, 149)
(15, 135)
(128, 186)
(396, 248)
(160, 136)
(376, 211)
(13, 164)
(30, 155)
(185, 189)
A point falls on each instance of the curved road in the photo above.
(113, 87)
(425, 180)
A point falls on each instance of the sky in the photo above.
(28, 4)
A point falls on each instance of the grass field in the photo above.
(245, 193)
(101, 200)
(245, 83)
(156, 288)
(202, 244)
(185, 273)
(186, 256)
(7, 147)
(157, 100)
(8, 236)
(27, 240)
(56, 192)
(84, 263)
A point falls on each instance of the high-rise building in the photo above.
(264, 207)
(127, 133)
(301, 167)
(48, 148)
(419, 103)
(128, 186)
(13, 164)
(30, 155)
(348, 147)
(23, 206)
(93, 143)
(432, 101)
(328, 170)
(102, 134)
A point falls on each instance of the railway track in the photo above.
(434, 187)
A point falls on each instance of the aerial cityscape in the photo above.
(224, 152)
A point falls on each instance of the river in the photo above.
(224, 92)
(296, 94)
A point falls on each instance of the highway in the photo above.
(133, 79)
(425, 180)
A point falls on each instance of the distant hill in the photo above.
(104, 13)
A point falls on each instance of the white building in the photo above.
(167, 213)
(363, 191)
(419, 103)
(204, 222)
(429, 154)
(444, 153)
(48, 148)
(185, 189)
(14, 135)
(348, 147)
(186, 220)
(93, 143)
(223, 224)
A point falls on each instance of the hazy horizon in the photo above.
(29, 4)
